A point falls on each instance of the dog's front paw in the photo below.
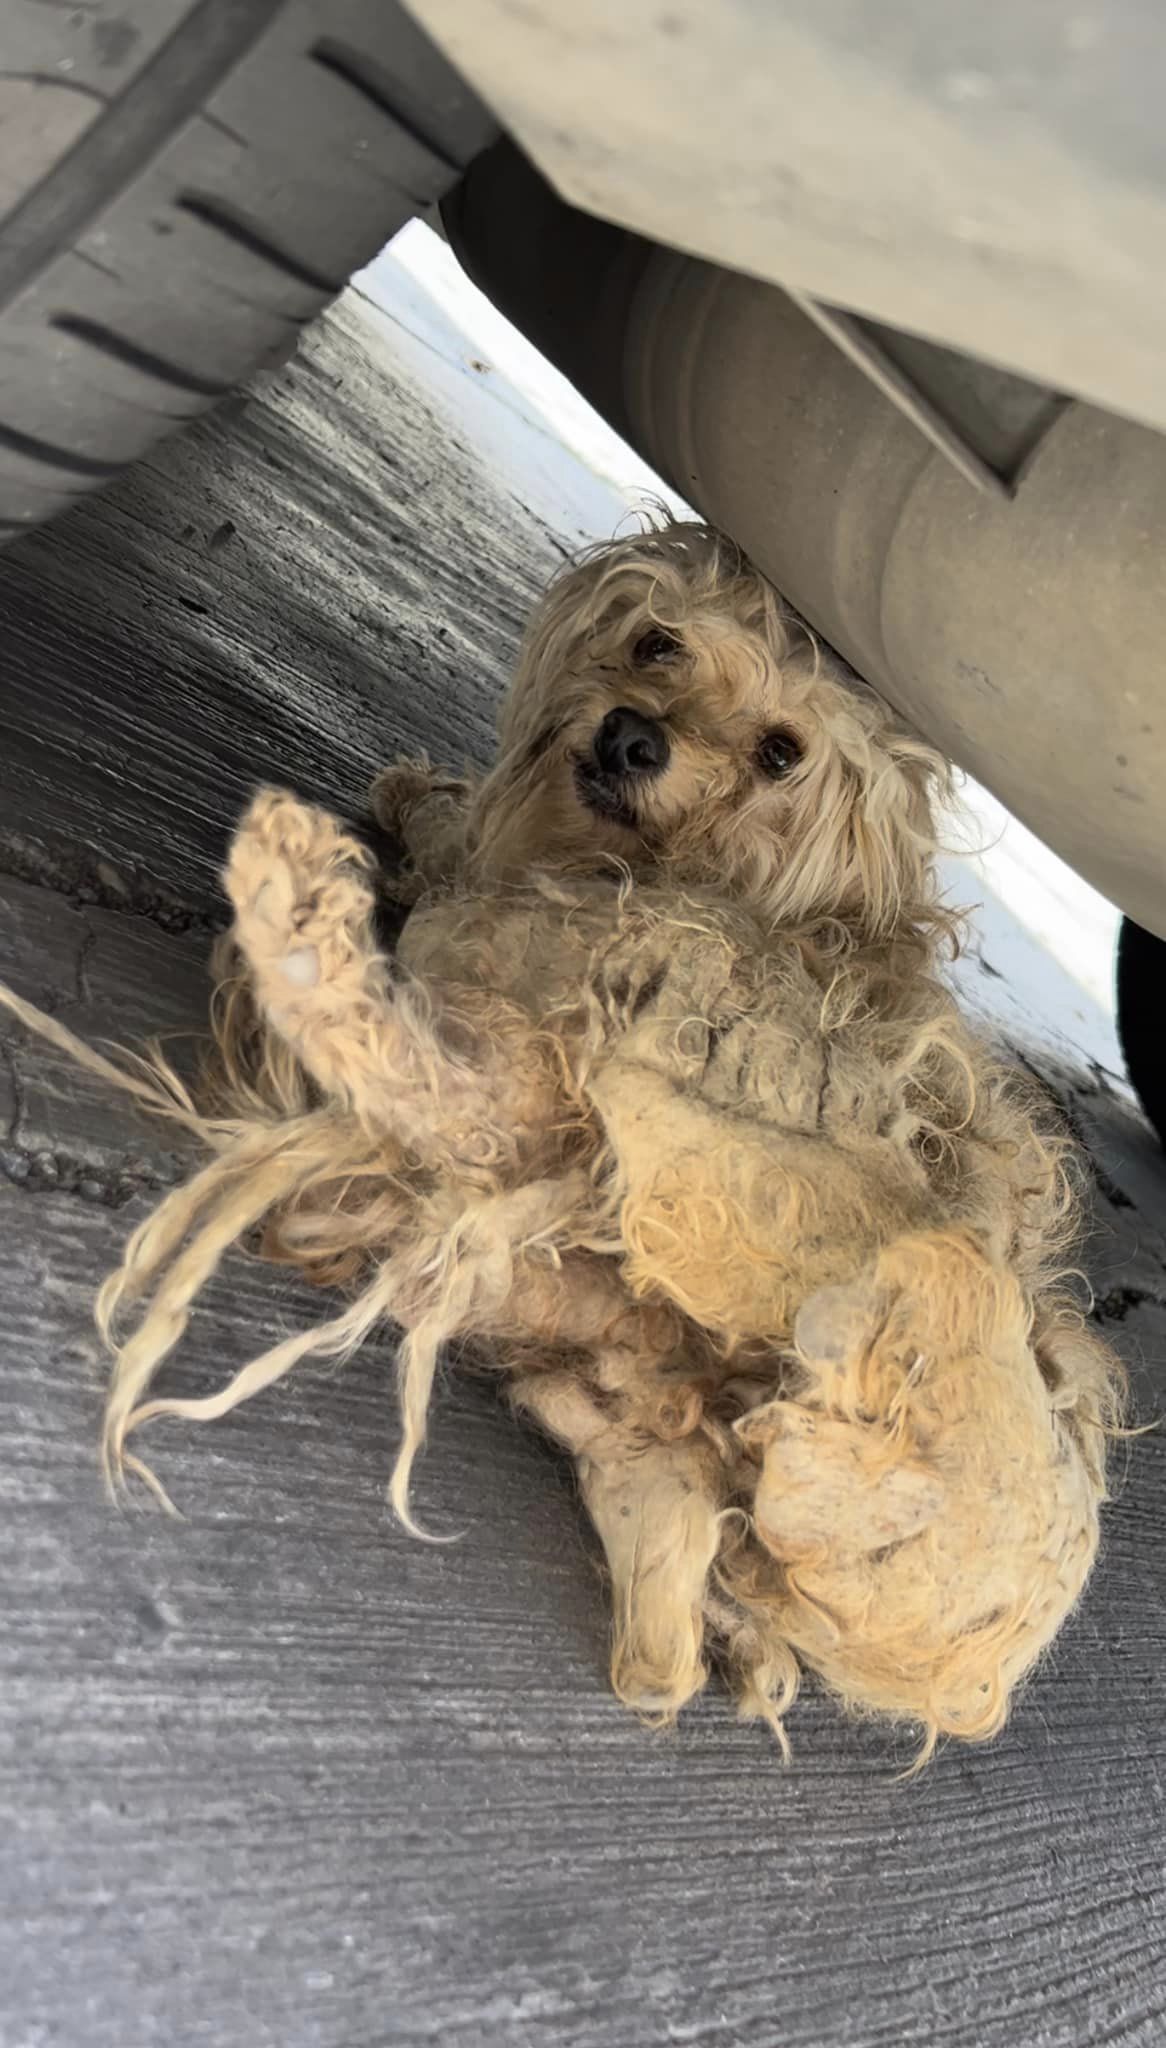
(398, 792)
(299, 887)
(423, 812)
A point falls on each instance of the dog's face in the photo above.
(667, 716)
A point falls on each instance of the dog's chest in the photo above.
(689, 988)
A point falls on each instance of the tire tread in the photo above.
(219, 201)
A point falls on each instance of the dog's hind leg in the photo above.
(931, 1491)
(463, 1079)
(657, 1509)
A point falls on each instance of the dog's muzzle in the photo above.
(628, 749)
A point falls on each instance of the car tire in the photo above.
(183, 184)
(1141, 999)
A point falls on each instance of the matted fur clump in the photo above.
(662, 1101)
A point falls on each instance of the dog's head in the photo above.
(670, 715)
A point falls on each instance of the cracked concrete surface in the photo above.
(107, 975)
(276, 1774)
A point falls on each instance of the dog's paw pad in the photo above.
(301, 968)
(272, 902)
(836, 1322)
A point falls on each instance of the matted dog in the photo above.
(663, 1101)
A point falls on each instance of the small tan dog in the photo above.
(662, 1101)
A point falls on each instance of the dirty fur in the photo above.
(663, 1102)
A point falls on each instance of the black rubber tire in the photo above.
(184, 183)
(1141, 1002)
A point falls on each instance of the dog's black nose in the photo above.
(627, 743)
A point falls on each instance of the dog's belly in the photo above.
(764, 1139)
(738, 1219)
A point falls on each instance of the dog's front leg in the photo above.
(424, 812)
(458, 1078)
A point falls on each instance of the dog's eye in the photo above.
(778, 752)
(656, 645)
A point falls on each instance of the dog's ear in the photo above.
(888, 831)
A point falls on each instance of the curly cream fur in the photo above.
(663, 1101)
